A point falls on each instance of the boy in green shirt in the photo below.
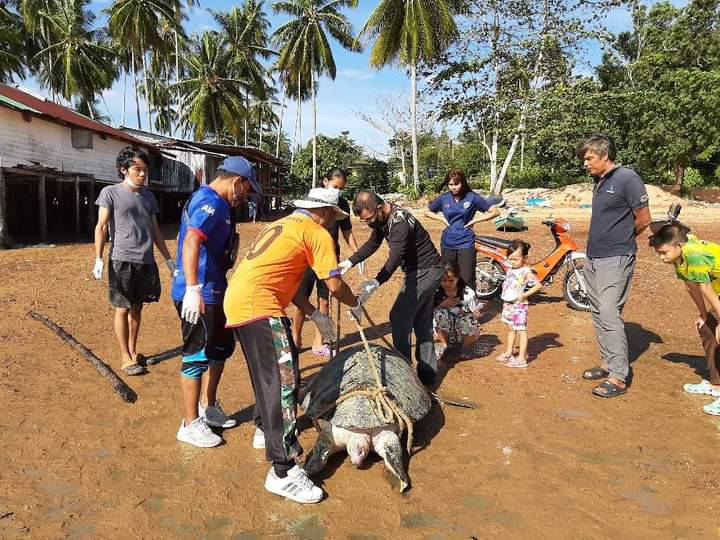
(697, 263)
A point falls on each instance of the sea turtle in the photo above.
(354, 424)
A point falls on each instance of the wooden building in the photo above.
(53, 162)
(203, 159)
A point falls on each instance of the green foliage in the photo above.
(332, 152)
(372, 174)
(12, 36)
(693, 179)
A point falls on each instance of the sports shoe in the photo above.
(702, 388)
(296, 486)
(198, 434)
(215, 416)
(259, 438)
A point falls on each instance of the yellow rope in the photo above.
(384, 406)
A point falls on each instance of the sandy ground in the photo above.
(540, 458)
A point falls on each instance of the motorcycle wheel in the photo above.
(575, 296)
(484, 287)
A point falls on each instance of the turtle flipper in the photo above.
(387, 445)
(323, 449)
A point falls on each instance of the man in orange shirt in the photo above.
(260, 290)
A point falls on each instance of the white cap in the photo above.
(322, 198)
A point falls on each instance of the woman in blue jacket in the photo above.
(456, 208)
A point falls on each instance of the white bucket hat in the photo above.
(322, 198)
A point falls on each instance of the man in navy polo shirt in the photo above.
(619, 214)
(203, 259)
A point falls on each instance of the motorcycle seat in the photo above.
(493, 241)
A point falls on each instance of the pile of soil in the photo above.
(575, 195)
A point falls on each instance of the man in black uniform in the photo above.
(410, 247)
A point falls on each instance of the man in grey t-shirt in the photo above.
(619, 213)
(129, 209)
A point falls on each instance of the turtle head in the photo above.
(358, 448)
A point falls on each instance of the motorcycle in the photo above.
(492, 265)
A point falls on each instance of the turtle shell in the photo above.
(349, 371)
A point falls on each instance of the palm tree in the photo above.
(212, 99)
(136, 26)
(262, 113)
(245, 32)
(411, 31)
(304, 45)
(81, 59)
(12, 36)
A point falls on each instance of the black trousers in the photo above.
(272, 360)
(466, 259)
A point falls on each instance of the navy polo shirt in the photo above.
(612, 226)
(458, 214)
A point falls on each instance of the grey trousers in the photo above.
(413, 311)
(608, 285)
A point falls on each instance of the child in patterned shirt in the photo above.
(457, 309)
(519, 285)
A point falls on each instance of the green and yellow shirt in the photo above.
(700, 262)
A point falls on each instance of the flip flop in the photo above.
(595, 373)
(608, 389)
(504, 357)
(702, 388)
(713, 408)
(134, 369)
(323, 351)
(517, 363)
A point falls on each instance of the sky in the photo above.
(356, 87)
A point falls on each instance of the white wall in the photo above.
(49, 144)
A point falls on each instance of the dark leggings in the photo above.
(466, 259)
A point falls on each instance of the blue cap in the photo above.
(242, 167)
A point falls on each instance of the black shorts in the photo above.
(207, 340)
(133, 283)
(308, 282)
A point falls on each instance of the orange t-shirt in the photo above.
(266, 280)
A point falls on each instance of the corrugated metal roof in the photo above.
(22, 101)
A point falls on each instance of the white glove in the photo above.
(171, 266)
(361, 267)
(344, 266)
(193, 304)
(325, 325)
(367, 288)
(356, 312)
(98, 268)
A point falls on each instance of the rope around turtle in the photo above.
(385, 407)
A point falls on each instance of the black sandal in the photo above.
(608, 389)
(595, 373)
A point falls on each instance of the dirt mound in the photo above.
(575, 195)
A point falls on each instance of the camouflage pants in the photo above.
(272, 360)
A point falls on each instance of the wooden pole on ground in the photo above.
(5, 240)
(118, 385)
(91, 206)
(42, 209)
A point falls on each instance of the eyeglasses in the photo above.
(372, 218)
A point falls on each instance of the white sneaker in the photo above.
(296, 486)
(215, 416)
(259, 438)
(198, 434)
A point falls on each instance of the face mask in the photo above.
(376, 223)
(133, 184)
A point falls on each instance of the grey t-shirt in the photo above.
(131, 215)
(612, 226)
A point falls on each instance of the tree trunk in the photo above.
(174, 130)
(402, 162)
(522, 152)
(280, 123)
(247, 110)
(122, 120)
(148, 109)
(137, 91)
(314, 142)
(413, 128)
(260, 127)
(679, 177)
